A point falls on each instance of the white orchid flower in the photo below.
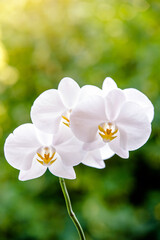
(32, 152)
(118, 118)
(55, 106)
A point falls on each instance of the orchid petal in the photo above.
(68, 146)
(35, 171)
(106, 152)
(134, 122)
(44, 138)
(114, 101)
(20, 147)
(116, 147)
(71, 152)
(108, 85)
(69, 91)
(64, 134)
(139, 98)
(98, 143)
(93, 159)
(61, 170)
(86, 117)
(89, 90)
(47, 110)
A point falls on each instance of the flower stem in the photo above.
(70, 210)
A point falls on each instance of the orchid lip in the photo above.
(46, 156)
(107, 131)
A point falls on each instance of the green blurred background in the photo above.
(42, 41)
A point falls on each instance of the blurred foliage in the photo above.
(42, 41)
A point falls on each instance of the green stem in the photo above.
(70, 210)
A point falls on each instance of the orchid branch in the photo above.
(70, 210)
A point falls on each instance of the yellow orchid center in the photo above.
(107, 131)
(66, 118)
(46, 156)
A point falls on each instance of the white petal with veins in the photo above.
(106, 152)
(141, 99)
(61, 170)
(69, 91)
(86, 116)
(113, 102)
(35, 171)
(96, 144)
(115, 146)
(89, 90)
(47, 111)
(19, 148)
(108, 85)
(94, 159)
(68, 147)
(63, 135)
(44, 138)
(135, 124)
